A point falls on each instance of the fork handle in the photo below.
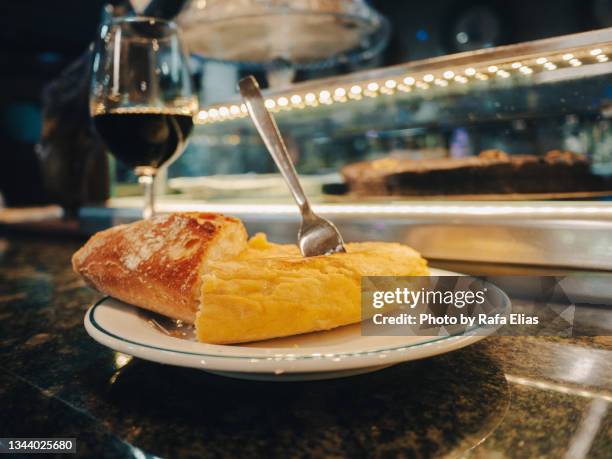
(269, 133)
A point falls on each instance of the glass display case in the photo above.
(528, 99)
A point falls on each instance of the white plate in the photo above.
(322, 355)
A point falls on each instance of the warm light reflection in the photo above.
(501, 209)
(121, 360)
(564, 389)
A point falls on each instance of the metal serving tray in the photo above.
(554, 234)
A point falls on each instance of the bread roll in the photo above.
(157, 264)
(271, 291)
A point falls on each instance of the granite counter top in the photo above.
(504, 397)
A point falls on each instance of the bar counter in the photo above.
(521, 397)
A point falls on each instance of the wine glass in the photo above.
(141, 98)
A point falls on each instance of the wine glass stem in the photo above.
(147, 182)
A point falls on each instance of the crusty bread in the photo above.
(157, 264)
(270, 290)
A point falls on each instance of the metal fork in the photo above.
(317, 235)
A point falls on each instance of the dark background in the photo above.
(39, 38)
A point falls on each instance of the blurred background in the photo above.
(39, 40)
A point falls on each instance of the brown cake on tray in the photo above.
(492, 172)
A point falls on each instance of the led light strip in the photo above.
(415, 82)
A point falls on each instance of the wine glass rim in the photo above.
(152, 19)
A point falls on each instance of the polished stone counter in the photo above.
(504, 397)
